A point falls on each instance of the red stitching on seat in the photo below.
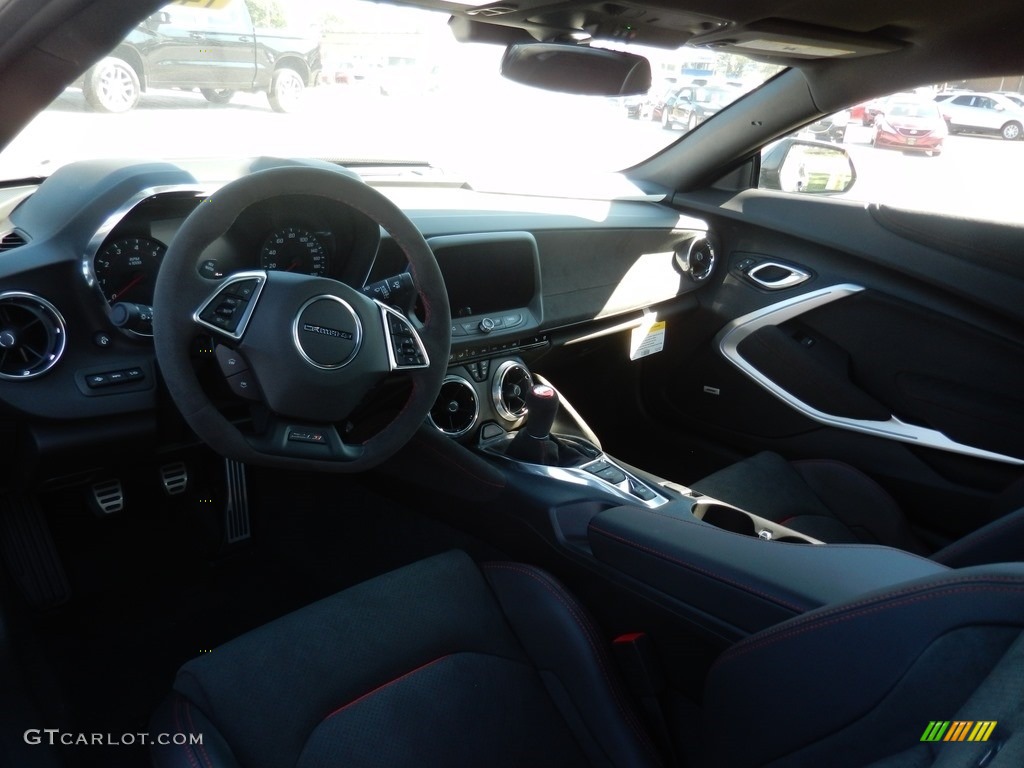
(381, 687)
(698, 569)
(178, 706)
(192, 729)
(576, 611)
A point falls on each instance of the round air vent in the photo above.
(511, 383)
(32, 336)
(697, 259)
(456, 409)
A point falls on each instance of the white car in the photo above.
(984, 113)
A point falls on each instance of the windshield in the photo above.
(350, 81)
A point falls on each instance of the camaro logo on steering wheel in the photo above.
(327, 331)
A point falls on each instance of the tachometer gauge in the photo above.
(294, 250)
(126, 269)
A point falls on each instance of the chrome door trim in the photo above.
(728, 341)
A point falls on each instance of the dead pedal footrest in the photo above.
(29, 553)
(236, 511)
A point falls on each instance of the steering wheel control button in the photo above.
(327, 332)
(225, 313)
(405, 349)
(243, 289)
(244, 385)
(228, 310)
(229, 360)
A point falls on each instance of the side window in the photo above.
(182, 16)
(231, 18)
(914, 151)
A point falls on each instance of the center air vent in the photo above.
(456, 409)
(11, 240)
(32, 336)
(511, 383)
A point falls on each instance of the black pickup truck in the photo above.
(217, 51)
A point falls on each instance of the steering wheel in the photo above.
(309, 348)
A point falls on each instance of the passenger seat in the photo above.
(837, 503)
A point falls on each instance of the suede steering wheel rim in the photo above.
(306, 397)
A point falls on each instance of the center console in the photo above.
(731, 571)
(717, 566)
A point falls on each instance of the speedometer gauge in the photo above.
(126, 269)
(294, 250)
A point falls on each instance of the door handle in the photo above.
(775, 276)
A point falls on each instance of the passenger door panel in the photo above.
(897, 355)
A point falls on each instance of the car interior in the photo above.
(305, 466)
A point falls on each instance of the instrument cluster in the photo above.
(296, 237)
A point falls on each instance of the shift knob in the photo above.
(542, 405)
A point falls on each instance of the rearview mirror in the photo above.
(806, 167)
(576, 69)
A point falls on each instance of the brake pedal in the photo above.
(107, 497)
(29, 552)
(236, 511)
(174, 478)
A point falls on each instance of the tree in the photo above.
(267, 13)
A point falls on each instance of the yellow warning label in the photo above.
(647, 339)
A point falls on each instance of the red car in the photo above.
(912, 126)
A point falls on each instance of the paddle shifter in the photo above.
(534, 443)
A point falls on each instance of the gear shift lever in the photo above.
(534, 443)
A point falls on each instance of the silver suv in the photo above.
(970, 112)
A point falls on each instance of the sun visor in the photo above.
(787, 41)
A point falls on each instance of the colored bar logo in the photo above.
(959, 730)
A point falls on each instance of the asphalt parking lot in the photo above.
(486, 131)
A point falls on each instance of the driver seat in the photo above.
(440, 663)
(443, 664)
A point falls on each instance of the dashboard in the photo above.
(80, 254)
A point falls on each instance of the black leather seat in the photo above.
(837, 503)
(440, 664)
